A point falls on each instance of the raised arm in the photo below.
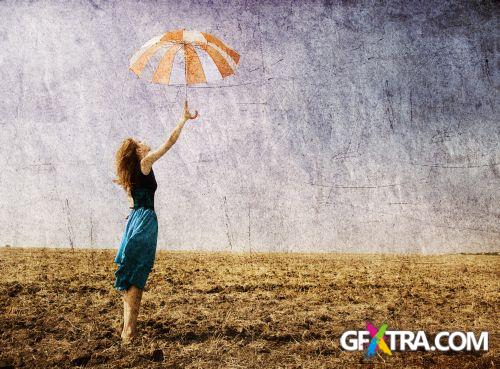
(152, 156)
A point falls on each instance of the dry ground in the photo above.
(219, 310)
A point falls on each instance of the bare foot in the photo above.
(128, 339)
(128, 336)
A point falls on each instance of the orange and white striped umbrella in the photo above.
(184, 57)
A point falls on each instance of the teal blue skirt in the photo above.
(137, 251)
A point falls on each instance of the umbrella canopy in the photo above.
(184, 57)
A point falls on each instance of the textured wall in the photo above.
(350, 126)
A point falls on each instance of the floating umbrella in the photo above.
(184, 57)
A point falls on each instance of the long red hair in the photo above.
(126, 163)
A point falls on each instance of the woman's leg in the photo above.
(132, 302)
(126, 313)
(134, 311)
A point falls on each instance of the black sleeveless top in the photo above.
(143, 189)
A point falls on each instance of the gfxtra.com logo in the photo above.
(389, 341)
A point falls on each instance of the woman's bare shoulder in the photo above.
(146, 167)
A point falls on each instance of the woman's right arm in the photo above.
(152, 156)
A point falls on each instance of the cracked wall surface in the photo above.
(349, 126)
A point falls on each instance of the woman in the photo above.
(136, 254)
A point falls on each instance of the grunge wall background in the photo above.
(349, 126)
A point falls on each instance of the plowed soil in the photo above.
(58, 308)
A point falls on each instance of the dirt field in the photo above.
(219, 310)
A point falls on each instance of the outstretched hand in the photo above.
(186, 114)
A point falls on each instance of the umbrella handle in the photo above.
(186, 104)
(186, 110)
